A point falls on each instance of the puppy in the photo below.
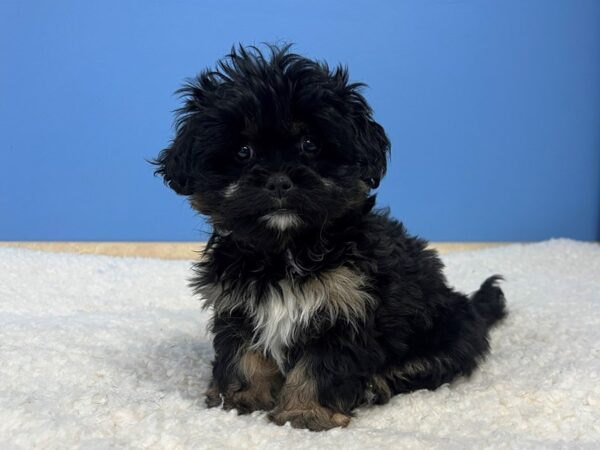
(320, 303)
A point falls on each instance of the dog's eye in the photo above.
(309, 145)
(245, 153)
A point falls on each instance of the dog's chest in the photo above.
(283, 312)
(283, 315)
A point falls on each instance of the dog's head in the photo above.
(270, 145)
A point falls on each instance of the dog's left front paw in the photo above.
(318, 418)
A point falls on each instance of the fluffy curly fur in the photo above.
(321, 304)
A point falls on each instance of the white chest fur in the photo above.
(286, 312)
(282, 315)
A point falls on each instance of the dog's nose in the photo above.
(279, 184)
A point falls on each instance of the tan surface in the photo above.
(181, 250)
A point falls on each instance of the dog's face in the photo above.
(271, 146)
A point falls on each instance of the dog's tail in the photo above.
(489, 301)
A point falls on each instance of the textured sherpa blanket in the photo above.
(104, 352)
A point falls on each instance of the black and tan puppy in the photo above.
(321, 304)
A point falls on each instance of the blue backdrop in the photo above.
(493, 109)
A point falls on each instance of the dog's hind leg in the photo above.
(454, 344)
(428, 372)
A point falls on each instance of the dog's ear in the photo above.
(176, 162)
(175, 165)
(374, 146)
(372, 143)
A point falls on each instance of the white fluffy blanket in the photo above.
(104, 352)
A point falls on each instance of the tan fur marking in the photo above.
(345, 289)
(213, 396)
(298, 404)
(362, 186)
(230, 190)
(419, 366)
(261, 380)
(196, 202)
(415, 366)
(381, 389)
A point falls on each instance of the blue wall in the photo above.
(493, 108)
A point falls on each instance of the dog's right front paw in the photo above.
(318, 418)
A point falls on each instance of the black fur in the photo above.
(418, 333)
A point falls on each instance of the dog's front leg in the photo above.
(243, 379)
(258, 382)
(300, 402)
